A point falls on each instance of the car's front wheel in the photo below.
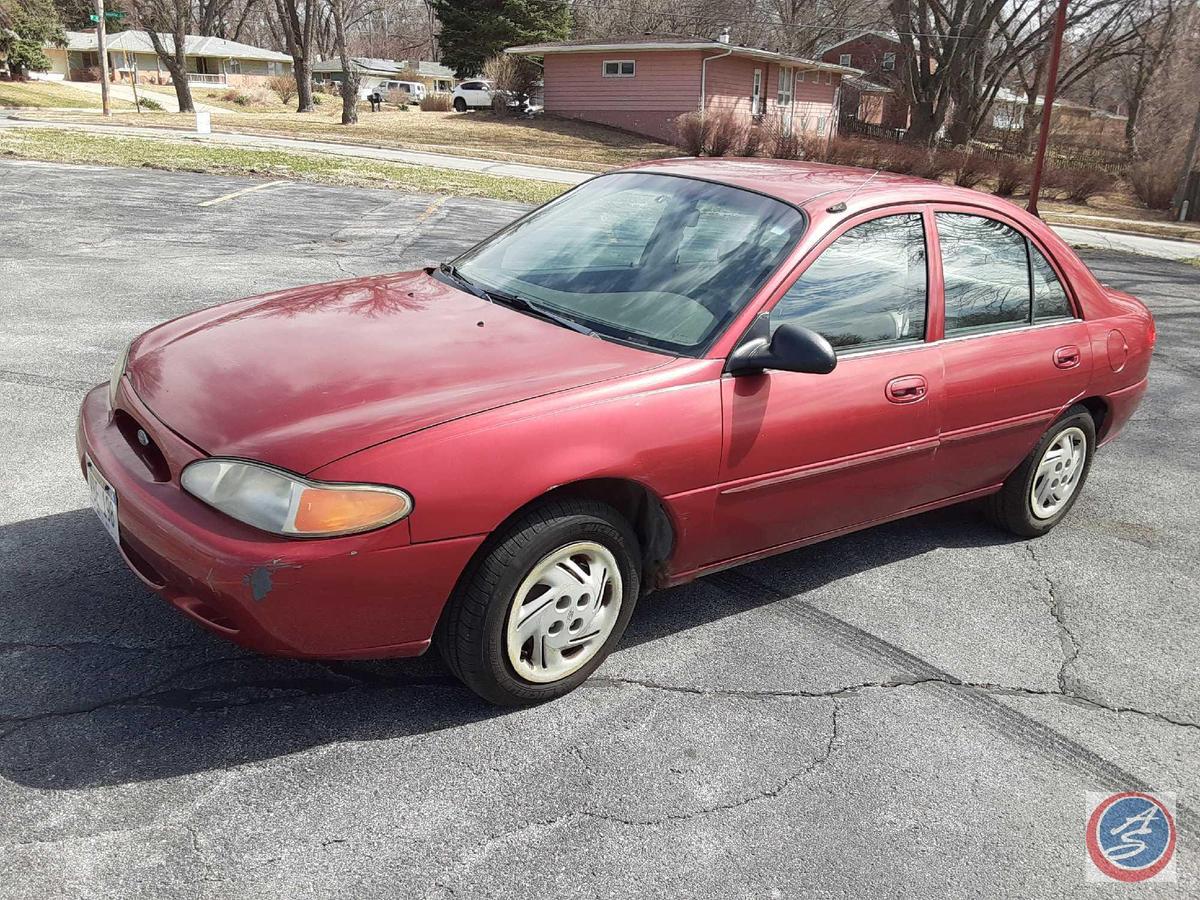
(544, 605)
(460, 105)
(1046, 485)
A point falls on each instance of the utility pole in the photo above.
(1189, 161)
(102, 51)
(1039, 161)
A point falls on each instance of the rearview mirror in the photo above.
(792, 348)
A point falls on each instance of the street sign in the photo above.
(115, 14)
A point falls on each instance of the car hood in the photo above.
(302, 377)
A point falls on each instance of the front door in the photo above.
(806, 455)
(1014, 352)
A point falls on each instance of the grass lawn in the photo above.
(50, 95)
(189, 156)
(261, 99)
(545, 141)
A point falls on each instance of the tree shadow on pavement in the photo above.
(107, 684)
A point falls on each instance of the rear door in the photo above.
(1014, 351)
(807, 454)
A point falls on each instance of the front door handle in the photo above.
(906, 389)
(1066, 357)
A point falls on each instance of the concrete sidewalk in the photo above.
(331, 148)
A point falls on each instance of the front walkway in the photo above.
(163, 96)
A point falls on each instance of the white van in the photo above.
(414, 89)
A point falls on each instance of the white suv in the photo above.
(477, 93)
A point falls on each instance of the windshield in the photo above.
(654, 260)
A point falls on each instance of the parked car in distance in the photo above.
(665, 372)
(474, 94)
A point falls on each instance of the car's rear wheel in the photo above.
(1046, 485)
(460, 105)
(544, 605)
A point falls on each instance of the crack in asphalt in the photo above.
(1066, 637)
(765, 794)
(851, 689)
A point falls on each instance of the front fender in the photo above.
(661, 429)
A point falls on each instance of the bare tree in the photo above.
(1157, 26)
(225, 18)
(297, 21)
(172, 20)
(337, 10)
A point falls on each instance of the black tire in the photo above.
(1012, 507)
(460, 105)
(471, 632)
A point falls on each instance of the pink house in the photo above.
(641, 84)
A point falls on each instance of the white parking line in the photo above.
(257, 187)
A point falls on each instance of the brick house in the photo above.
(642, 84)
(878, 98)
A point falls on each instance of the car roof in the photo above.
(799, 182)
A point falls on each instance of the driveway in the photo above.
(916, 710)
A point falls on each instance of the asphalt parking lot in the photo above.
(916, 710)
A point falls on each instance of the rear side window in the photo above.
(986, 271)
(995, 277)
(867, 288)
(1049, 299)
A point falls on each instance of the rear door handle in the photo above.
(1066, 357)
(906, 389)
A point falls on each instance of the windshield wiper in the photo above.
(451, 271)
(538, 310)
(494, 296)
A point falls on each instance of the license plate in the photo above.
(104, 500)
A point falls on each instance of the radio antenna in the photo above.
(840, 206)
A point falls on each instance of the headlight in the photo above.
(290, 505)
(114, 379)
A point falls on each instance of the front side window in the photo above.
(868, 288)
(619, 68)
(986, 272)
(657, 261)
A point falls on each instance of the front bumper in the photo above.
(365, 595)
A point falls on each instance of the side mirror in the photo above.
(792, 348)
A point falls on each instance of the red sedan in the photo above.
(667, 371)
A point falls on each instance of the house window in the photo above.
(829, 78)
(844, 59)
(234, 66)
(889, 62)
(274, 68)
(784, 97)
(800, 76)
(820, 124)
(619, 68)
